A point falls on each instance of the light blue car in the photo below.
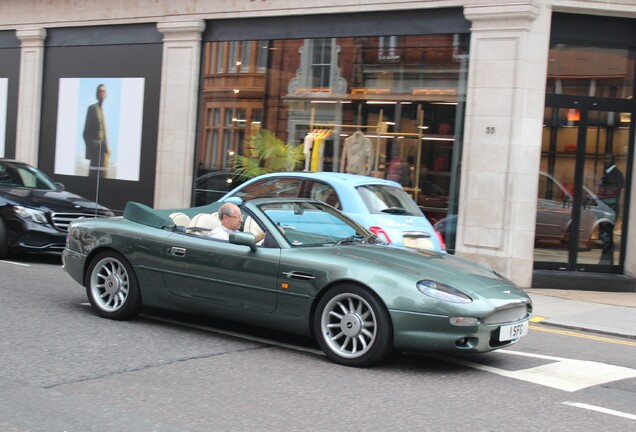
(381, 206)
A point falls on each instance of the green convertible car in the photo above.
(300, 266)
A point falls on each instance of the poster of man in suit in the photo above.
(99, 127)
(96, 136)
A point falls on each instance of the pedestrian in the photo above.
(609, 191)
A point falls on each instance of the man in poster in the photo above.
(95, 136)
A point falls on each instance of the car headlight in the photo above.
(441, 291)
(31, 214)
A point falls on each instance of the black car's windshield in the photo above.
(314, 224)
(388, 199)
(16, 174)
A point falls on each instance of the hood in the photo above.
(465, 275)
(53, 201)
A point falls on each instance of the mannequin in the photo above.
(316, 153)
(357, 155)
(307, 146)
(318, 138)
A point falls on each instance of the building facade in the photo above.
(495, 115)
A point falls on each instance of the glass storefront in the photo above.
(385, 106)
(585, 159)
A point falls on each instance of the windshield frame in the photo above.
(314, 224)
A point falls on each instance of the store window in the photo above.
(585, 159)
(383, 106)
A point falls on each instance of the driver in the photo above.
(231, 218)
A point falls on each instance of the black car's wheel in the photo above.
(353, 327)
(4, 241)
(112, 288)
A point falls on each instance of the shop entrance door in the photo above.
(580, 207)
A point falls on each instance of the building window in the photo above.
(387, 49)
(321, 64)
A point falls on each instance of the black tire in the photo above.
(353, 327)
(4, 241)
(112, 287)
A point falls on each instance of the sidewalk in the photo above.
(612, 313)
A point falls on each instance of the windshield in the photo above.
(314, 224)
(15, 174)
(388, 200)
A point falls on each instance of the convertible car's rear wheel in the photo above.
(112, 288)
(353, 327)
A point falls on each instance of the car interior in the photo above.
(202, 223)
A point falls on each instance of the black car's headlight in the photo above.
(441, 291)
(31, 214)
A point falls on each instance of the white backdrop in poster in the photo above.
(66, 154)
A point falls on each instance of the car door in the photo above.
(220, 272)
(554, 209)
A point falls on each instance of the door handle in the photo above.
(177, 251)
(299, 275)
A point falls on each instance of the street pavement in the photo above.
(612, 313)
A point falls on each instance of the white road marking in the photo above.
(601, 410)
(16, 263)
(563, 374)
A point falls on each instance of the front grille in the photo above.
(61, 221)
(511, 314)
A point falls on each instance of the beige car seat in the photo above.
(251, 226)
(181, 219)
(203, 223)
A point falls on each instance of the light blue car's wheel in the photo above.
(353, 327)
(112, 287)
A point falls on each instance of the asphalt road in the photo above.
(65, 369)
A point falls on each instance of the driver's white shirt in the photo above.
(221, 233)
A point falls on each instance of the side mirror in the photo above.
(244, 238)
(59, 186)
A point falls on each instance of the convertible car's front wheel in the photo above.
(112, 288)
(353, 327)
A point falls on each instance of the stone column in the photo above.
(30, 94)
(178, 112)
(503, 132)
(630, 247)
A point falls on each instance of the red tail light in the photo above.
(380, 233)
(441, 240)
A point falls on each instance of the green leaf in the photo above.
(264, 152)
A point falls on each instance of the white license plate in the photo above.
(513, 331)
(418, 242)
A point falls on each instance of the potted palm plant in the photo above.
(264, 153)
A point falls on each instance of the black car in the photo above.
(212, 185)
(35, 211)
